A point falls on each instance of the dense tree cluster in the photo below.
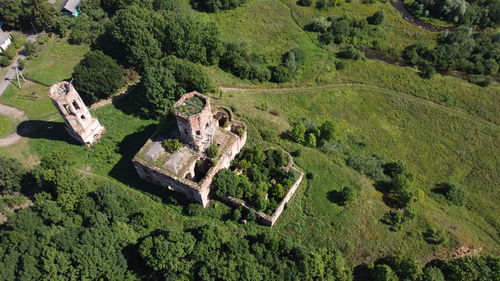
(311, 133)
(26, 14)
(462, 49)
(453, 193)
(165, 80)
(209, 253)
(240, 61)
(263, 181)
(337, 29)
(214, 6)
(97, 76)
(471, 12)
(141, 35)
(290, 62)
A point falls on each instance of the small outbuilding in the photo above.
(5, 41)
(72, 7)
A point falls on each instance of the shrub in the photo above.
(432, 273)
(214, 6)
(427, 71)
(480, 80)
(434, 236)
(319, 25)
(376, 19)
(393, 219)
(21, 64)
(395, 168)
(305, 3)
(310, 140)
(281, 74)
(11, 174)
(213, 151)
(298, 133)
(370, 165)
(351, 53)
(171, 145)
(347, 195)
(452, 193)
(4, 61)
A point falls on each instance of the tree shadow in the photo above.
(390, 199)
(125, 172)
(335, 197)
(129, 103)
(39, 129)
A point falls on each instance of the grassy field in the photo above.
(437, 145)
(6, 126)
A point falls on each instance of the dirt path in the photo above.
(454, 111)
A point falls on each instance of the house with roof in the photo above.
(5, 41)
(71, 7)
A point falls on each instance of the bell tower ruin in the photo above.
(79, 123)
(194, 120)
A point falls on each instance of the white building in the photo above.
(5, 41)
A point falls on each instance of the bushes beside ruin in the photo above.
(263, 181)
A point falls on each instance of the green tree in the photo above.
(171, 145)
(347, 195)
(432, 273)
(168, 252)
(97, 76)
(160, 90)
(382, 272)
(298, 133)
(310, 140)
(226, 184)
(376, 19)
(11, 12)
(188, 75)
(11, 175)
(134, 32)
(327, 131)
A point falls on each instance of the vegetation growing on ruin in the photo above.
(261, 180)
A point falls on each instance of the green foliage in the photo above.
(370, 165)
(310, 140)
(351, 53)
(171, 145)
(382, 272)
(189, 76)
(432, 273)
(298, 133)
(24, 15)
(434, 236)
(140, 35)
(213, 151)
(11, 175)
(461, 49)
(238, 60)
(471, 268)
(168, 253)
(481, 13)
(406, 268)
(290, 62)
(160, 90)
(305, 3)
(214, 6)
(480, 80)
(226, 183)
(452, 193)
(347, 195)
(97, 77)
(376, 19)
(4, 61)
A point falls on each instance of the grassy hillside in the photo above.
(436, 144)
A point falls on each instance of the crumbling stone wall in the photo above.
(79, 123)
(197, 129)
